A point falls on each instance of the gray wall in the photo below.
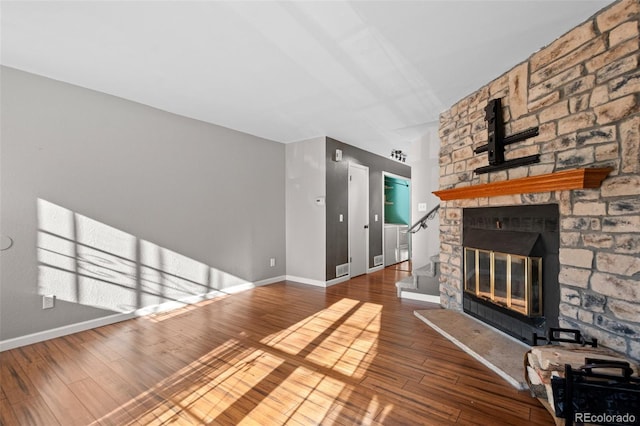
(425, 172)
(115, 205)
(306, 235)
(337, 201)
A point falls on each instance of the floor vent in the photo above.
(342, 270)
(378, 260)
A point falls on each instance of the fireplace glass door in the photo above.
(509, 280)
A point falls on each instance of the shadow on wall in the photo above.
(84, 261)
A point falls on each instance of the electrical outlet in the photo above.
(272, 262)
(48, 301)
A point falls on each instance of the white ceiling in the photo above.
(375, 74)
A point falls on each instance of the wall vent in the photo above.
(342, 270)
(378, 260)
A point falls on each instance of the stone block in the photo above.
(554, 83)
(576, 157)
(624, 310)
(504, 200)
(623, 85)
(605, 338)
(628, 206)
(579, 103)
(595, 224)
(516, 151)
(623, 32)
(593, 302)
(621, 224)
(598, 240)
(580, 258)
(599, 96)
(453, 214)
(578, 121)
(598, 135)
(536, 198)
(634, 349)
(579, 85)
(586, 194)
(627, 243)
(541, 169)
(589, 209)
(620, 264)
(518, 172)
(560, 144)
(554, 112)
(617, 14)
(568, 311)
(499, 86)
(468, 202)
(618, 186)
(582, 54)
(546, 132)
(563, 45)
(608, 151)
(462, 154)
(585, 316)
(518, 89)
(459, 167)
(570, 296)
(618, 327)
(574, 223)
(611, 55)
(570, 239)
(630, 142)
(524, 123)
(544, 101)
(614, 286)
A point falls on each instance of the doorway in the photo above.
(397, 218)
(358, 219)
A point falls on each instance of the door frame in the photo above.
(393, 175)
(351, 218)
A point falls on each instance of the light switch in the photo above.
(340, 218)
(375, 217)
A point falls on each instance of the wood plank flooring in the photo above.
(285, 353)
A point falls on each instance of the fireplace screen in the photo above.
(509, 280)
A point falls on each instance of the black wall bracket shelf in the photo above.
(497, 141)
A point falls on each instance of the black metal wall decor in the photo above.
(497, 141)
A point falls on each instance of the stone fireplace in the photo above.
(583, 94)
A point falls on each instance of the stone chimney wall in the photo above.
(583, 91)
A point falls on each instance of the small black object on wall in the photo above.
(497, 141)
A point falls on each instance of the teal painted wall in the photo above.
(397, 201)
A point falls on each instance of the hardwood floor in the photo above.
(281, 354)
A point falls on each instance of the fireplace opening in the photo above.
(505, 268)
(511, 266)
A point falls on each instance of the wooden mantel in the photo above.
(558, 181)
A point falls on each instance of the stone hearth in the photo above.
(583, 92)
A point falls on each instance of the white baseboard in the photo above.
(318, 283)
(419, 296)
(375, 269)
(41, 336)
(308, 281)
(112, 319)
(337, 280)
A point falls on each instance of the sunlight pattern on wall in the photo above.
(84, 261)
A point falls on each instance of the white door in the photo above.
(358, 218)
